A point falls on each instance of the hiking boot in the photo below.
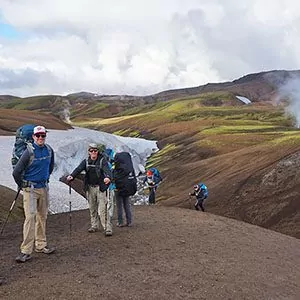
(129, 224)
(93, 229)
(22, 257)
(120, 224)
(46, 250)
(108, 233)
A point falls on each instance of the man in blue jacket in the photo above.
(32, 174)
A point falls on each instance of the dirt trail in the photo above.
(169, 253)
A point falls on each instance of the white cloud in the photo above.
(142, 47)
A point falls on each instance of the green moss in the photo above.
(238, 129)
(145, 109)
(127, 132)
(287, 139)
(157, 158)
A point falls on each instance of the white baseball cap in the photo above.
(39, 129)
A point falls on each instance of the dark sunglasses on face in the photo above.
(93, 150)
(40, 135)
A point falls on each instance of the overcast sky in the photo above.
(141, 47)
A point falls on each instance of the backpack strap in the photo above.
(30, 149)
(87, 166)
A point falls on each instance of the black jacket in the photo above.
(102, 170)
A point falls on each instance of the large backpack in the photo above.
(203, 188)
(124, 176)
(156, 175)
(23, 141)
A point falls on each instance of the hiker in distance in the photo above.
(31, 174)
(96, 182)
(201, 193)
(126, 186)
(152, 181)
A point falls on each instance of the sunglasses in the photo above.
(93, 150)
(40, 135)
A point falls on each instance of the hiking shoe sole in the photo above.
(23, 258)
(92, 230)
(45, 250)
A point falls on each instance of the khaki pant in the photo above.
(101, 208)
(36, 210)
(110, 207)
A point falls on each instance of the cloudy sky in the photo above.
(141, 47)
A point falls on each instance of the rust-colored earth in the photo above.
(169, 253)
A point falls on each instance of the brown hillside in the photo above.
(258, 184)
(11, 119)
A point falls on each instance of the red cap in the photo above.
(149, 173)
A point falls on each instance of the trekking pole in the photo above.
(190, 201)
(70, 212)
(10, 210)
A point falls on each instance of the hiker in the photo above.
(32, 176)
(96, 182)
(126, 186)
(201, 193)
(152, 181)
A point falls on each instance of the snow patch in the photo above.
(243, 99)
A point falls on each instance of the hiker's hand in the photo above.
(190, 194)
(70, 178)
(106, 180)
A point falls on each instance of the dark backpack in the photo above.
(23, 141)
(124, 176)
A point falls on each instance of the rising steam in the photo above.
(290, 91)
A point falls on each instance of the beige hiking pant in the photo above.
(34, 228)
(100, 208)
(110, 207)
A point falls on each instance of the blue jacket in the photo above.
(112, 186)
(38, 171)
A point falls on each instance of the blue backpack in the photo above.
(23, 141)
(109, 155)
(203, 188)
(156, 174)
